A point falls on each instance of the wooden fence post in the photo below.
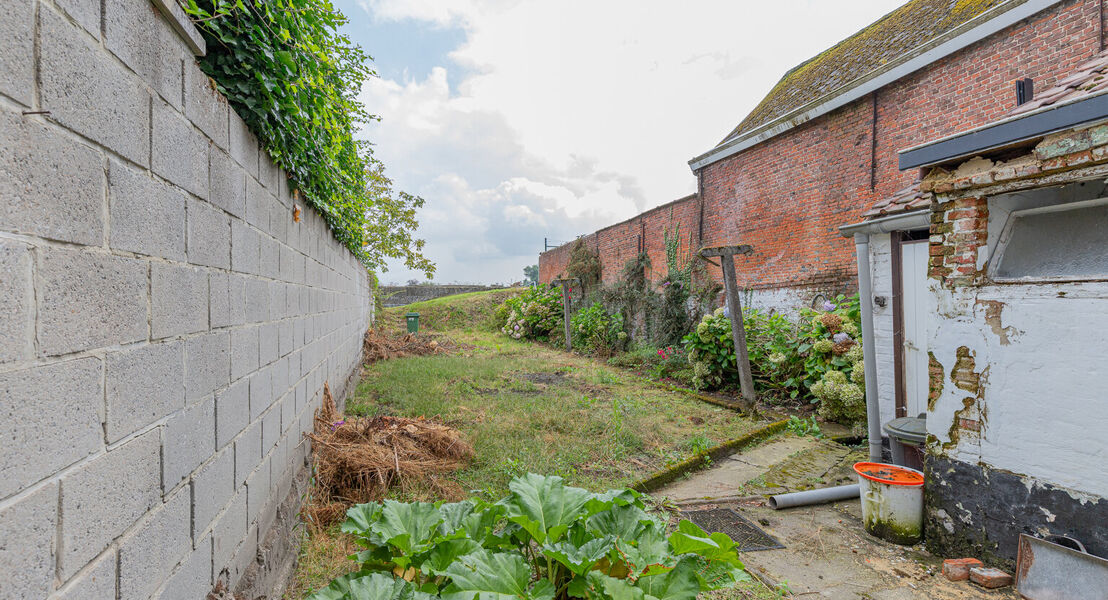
(565, 283)
(726, 256)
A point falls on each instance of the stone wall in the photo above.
(169, 323)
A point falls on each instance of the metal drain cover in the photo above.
(748, 537)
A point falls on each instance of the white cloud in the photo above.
(576, 114)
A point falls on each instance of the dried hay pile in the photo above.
(358, 459)
(379, 345)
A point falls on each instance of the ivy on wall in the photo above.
(294, 80)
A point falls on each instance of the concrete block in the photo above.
(232, 412)
(271, 428)
(27, 531)
(245, 248)
(193, 578)
(189, 439)
(204, 106)
(138, 205)
(85, 12)
(243, 145)
(147, 555)
(270, 258)
(237, 302)
(276, 300)
(88, 300)
(105, 497)
(261, 392)
(88, 92)
(178, 300)
(97, 582)
(207, 363)
(17, 51)
(228, 530)
(219, 299)
(51, 418)
(268, 172)
(212, 488)
(248, 452)
(257, 205)
(138, 35)
(244, 556)
(143, 385)
(178, 151)
(227, 183)
(52, 186)
(209, 235)
(285, 344)
(257, 491)
(268, 343)
(244, 351)
(279, 219)
(257, 301)
(288, 412)
(17, 329)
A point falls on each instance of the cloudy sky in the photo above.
(519, 120)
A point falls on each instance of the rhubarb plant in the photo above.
(545, 541)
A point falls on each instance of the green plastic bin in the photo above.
(413, 322)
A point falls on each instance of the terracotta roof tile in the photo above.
(1090, 78)
(856, 58)
(905, 200)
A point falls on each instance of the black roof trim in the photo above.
(1004, 133)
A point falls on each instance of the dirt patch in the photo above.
(358, 459)
(382, 345)
(544, 378)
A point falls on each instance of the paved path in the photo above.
(827, 553)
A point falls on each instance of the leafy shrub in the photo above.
(532, 315)
(584, 264)
(597, 332)
(544, 541)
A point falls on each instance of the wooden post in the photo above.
(726, 256)
(565, 283)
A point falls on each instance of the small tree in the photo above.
(531, 274)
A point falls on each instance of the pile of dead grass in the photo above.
(382, 345)
(360, 459)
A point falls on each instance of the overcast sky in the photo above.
(523, 119)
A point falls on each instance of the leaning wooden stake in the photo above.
(726, 256)
(565, 283)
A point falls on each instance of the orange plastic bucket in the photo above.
(888, 474)
(892, 501)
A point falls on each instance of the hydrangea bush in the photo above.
(532, 315)
(597, 332)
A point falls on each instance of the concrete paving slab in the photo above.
(727, 476)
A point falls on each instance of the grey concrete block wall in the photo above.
(169, 326)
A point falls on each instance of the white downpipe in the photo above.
(865, 301)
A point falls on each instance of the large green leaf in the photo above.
(360, 517)
(454, 515)
(691, 539)
(580, 559)
(485, 575)
(610, 588)
(359, 586)
(544, 506)
(407, 526)
(625, 522)
(679, 583)
(446, 553)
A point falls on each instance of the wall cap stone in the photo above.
(179, 21)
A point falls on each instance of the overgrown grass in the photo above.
(526, 407)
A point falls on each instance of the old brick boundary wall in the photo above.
(788, 195)
(168, 325)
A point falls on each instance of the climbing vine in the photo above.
(294, 79)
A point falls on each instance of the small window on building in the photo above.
(1065, 241)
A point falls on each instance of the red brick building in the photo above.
(820, 149)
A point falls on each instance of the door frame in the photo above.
(897, 241)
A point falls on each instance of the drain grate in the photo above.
(748, 537)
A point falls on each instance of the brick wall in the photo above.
(788, 195)
(168, 325)
(617, 244)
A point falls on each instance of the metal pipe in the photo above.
(865, 297)
(820, 496)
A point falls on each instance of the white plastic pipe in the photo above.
(865, 297)
(820, 496)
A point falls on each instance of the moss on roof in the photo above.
(882, 42)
